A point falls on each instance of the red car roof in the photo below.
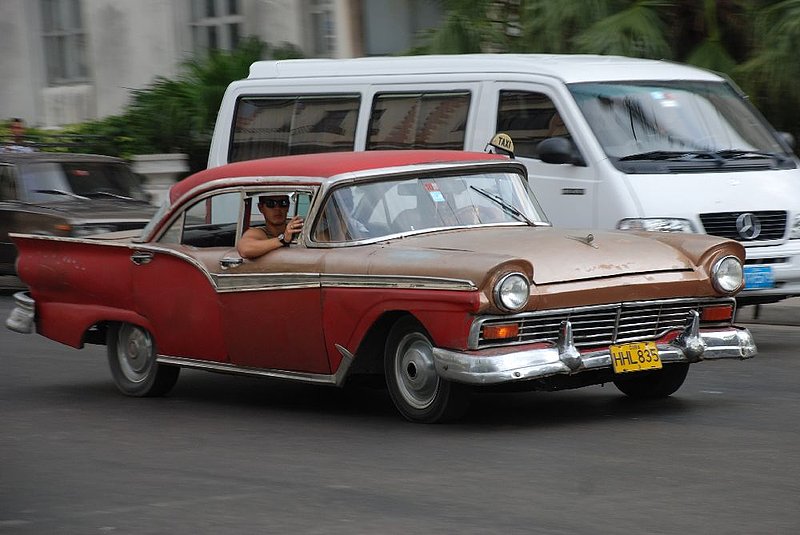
(325, 165)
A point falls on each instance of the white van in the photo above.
(609, 142)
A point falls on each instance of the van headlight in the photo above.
(727, 274)
(794, 231)
(511, 292)
(656, 224)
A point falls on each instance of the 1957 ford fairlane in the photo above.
(437, 270)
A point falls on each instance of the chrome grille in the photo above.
(601, 325)
(773, 224)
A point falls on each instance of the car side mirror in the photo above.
(559, 150)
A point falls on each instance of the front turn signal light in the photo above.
(717, 313)
(500, 332)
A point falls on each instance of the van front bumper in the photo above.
(505, 365)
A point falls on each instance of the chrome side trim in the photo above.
(231, 282)
(493, 366)
(396, 281)
(334, 379)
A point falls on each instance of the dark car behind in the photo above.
(64, 194)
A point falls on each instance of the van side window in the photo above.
(281, 125)
(529, 118)
(418, 121)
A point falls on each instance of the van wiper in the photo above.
(673, 155)
(740, 154)
(61, 192)
(519, 216)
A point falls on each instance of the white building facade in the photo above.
(70, 61)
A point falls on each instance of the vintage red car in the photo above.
(437, 270)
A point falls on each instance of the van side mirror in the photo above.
(559, 150)
(788, 139)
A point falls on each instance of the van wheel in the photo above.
(415, 388)
(132, 359)
(654, 384)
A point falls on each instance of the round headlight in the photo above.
(511, 292)
(727, 274)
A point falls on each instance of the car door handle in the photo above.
(229, 262)
(141, 257)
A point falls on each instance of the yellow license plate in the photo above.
(635, 357)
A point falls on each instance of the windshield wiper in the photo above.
(61, 192)
(742, 154)
(673, 155)
(519, 216)
(109, 194)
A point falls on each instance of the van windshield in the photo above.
(684, 123)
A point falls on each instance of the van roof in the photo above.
(568, 68)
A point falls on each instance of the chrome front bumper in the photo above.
(503, 365)
(21, 318)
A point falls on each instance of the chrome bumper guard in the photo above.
(503, 365)
(22, 315)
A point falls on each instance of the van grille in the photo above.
(723, 224)
(603, 325)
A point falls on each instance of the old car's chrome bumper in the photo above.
(21, 318)
(502, 365)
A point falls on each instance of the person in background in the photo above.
(277, 232)
(17, 127)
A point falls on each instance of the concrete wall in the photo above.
(21, 61)
(131, 42)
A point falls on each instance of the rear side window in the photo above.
(418, 121)
(529, 118)
(282, 125)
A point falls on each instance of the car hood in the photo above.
(741, 191)
(555, 254)
(98, 209)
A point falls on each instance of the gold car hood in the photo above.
(558, 255)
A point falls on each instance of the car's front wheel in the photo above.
(132, 359)
(654, 384)
(414, 386)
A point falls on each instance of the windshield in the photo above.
(49, 181)
(374, 210)
(657, 120)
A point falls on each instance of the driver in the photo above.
(277, 232)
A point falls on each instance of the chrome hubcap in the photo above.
(135, 352)
(415, 371)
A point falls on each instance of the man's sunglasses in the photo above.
(272, 203)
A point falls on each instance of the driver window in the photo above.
(529, 118)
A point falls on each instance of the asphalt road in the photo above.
(230, 455)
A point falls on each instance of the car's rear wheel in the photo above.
(654, 384)
(414, 386)
(132, 359)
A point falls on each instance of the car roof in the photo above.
(570, 68)
(325, 165)
(25, 157)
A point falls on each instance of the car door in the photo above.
(271, 306)
(175, 279)
(531, 113)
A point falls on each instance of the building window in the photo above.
(216, 24)
(323, 30)
(64, 42)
